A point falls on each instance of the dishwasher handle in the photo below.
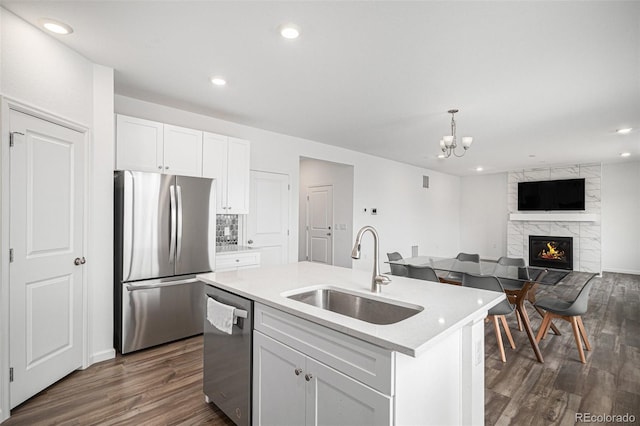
(239, 315)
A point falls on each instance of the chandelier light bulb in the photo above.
(448, 141)
(467, 141)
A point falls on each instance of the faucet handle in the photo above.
(382, 279)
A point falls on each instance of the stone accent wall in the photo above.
(587, 236)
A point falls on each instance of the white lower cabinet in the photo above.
(354, 382)
(236, 261)
(306, 374)
(294, 389)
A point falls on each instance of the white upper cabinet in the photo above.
(226, 159)
(182, 151)
(139, 144)
(150, 146)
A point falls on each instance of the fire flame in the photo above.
(553, 253)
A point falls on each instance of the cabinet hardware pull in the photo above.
(77, 261)
(308, 377)
(297, 371)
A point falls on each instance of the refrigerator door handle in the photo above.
(131, 287)
(179, 228)
(172, 242)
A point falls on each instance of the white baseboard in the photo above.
(622, 271)
(102, 356)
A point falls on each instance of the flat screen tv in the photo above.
(566, 194)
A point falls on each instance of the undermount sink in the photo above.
(375, 311)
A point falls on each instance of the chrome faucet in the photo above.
(378, 280)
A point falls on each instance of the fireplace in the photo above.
(551, 252)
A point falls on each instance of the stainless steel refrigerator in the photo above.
(164, 235)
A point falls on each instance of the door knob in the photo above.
(250, 242)
(308, 377)
(328, 234)
(77, 261)
(83, 260)
(298, 371)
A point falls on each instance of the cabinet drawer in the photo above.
(229, 261)
(358, 359)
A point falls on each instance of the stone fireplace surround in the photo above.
(584, 227)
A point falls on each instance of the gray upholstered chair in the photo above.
(456, 277)
(498, 312)
(399, 270)
(569, 311)
(422, 273)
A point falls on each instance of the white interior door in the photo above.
(268, 220)
(319, 224)
(46, 235)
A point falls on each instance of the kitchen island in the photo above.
(313, 365)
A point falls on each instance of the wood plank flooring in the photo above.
(163, 386)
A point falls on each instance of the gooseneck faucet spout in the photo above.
(378, 280)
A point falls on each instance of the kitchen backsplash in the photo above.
(226, 229)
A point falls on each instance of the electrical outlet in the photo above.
(374, 210)
(478, 352)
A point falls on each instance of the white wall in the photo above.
(42, 72)
(340, 177)
(408, 214)
(46, 76)
(620, 213)
(483, 215)
(100, 250)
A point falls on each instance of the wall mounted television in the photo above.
(566, 194)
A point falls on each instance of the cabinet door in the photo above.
(182, 151)
(139, 144)
(333, 398)
(238, 176)
(214, 165)
(278, 392)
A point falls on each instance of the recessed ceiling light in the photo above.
(479, 169)
(624, 131)
(55, 27)
(218, 81)
(625, 154)
(290, 31)
(532, 156)
(441, 156)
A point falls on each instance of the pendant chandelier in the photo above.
(448, 144)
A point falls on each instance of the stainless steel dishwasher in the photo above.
(228, 359)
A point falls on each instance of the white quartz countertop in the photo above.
(446, 307)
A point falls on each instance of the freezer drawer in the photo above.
(227, 360)
(159, 311)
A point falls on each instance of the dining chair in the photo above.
(504, 263)
(570, 311)
(422, 273)
(513, 287)
(498, 312)
(456, 277)
(399, 270)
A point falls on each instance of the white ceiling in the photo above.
(537, 83)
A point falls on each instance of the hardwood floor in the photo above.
(163, 386)
(525, 392)
(158, 386)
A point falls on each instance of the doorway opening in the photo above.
(326, 212)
